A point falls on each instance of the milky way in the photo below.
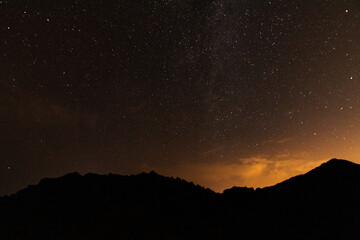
(220, 93)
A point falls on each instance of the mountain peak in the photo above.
(335, 171)
(335, 167)
(338, 163)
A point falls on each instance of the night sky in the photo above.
(220, 93)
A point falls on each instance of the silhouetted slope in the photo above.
(321, 204)
(327, 197)
(145, 206)
(333, 172)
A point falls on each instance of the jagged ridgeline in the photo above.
(321, 204)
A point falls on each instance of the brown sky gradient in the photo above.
(220, 93)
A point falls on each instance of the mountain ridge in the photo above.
(151, 206)
(331, 162)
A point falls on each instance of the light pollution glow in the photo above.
(253, 172)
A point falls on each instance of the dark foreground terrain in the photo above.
(322, 204)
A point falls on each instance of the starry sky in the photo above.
(220, 93)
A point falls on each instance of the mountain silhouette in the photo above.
(321, 204)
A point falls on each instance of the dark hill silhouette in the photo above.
(321, 204)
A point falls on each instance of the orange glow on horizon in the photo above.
(250, 172)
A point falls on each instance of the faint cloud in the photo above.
(281, 141)
(214, 150)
